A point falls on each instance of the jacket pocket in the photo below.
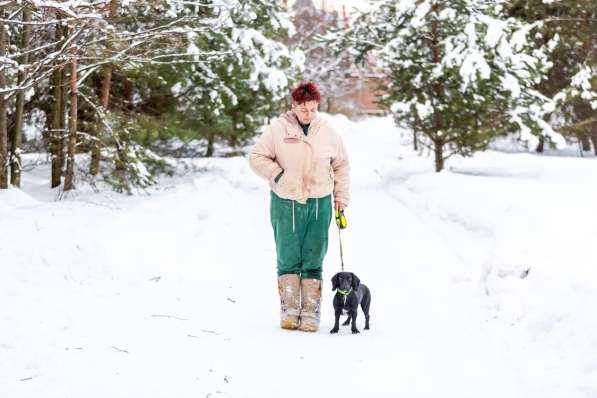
(283, 187)
(272, 179)
(278, 177)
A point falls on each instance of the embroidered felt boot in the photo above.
(311, 301)
(289, 287)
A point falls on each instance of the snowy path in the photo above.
(421, 321)
(174, 295)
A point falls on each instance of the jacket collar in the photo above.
(294, 129)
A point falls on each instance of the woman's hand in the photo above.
(338, 206)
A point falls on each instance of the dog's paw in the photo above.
(355, 331)
(366, 327)
(334, 330)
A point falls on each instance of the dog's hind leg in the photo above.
(365, 304)
(347, 321)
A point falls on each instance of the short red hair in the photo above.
(306, 91)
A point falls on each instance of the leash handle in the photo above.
(340, 219)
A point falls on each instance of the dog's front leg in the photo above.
(353, 327)
(337, 323)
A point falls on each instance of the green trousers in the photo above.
(301, 234)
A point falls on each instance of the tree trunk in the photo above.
(233, 137)
(438, 143)
(438, 147)
(104, 99)
(540, 145)
(129, 92)
(63, 105)
(15, 156)
(415, 140)
(210, 145)
(3, 131)
(121, 160)
(584, 139)
(594, 137)
(55, 133)
(56, 147)
(72, 128)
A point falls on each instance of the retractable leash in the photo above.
(341, 223)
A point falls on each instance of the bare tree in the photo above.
(3, 131)
(57, 124)
(15, 154)
(96, 38)
(72, 129)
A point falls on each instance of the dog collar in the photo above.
(344, 292)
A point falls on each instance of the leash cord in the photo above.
(341, 253)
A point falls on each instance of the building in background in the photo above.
(347, 88)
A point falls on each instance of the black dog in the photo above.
(350, 294)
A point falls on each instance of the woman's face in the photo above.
(306, 111)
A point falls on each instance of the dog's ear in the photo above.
(335, 282)
(355, 282)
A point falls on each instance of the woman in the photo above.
(304, 159)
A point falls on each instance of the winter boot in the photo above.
(310, 314)
(289, 287)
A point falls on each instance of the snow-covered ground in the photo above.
(483, 280)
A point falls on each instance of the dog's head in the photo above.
(345, 281)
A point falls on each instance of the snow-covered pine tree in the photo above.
(138, 38)
(458, 71)
(145, 37)
(572, 82)
(231, 93)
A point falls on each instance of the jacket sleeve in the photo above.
(341, 168)
(262, 158)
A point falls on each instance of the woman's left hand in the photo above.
(339, 206)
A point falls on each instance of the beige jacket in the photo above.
(314, 166)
